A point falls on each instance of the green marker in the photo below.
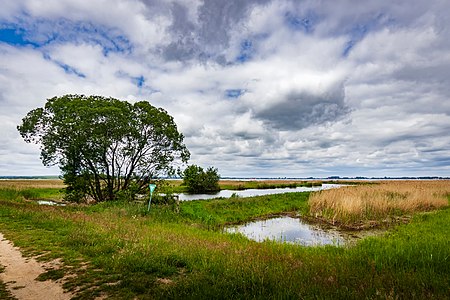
(152, 188)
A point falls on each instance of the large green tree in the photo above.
(105, 146)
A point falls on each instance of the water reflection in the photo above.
(50, 202)
(255, 192)
(291, 230)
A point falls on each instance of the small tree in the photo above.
(104, 146)
(199, 181)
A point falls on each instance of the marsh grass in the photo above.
(375, 203)
(20, 184)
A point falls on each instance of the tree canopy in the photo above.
(199, 181)
(105, 146)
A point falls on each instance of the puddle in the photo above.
(295, 231)
(50, 202)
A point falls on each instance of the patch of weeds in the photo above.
(53, 274)
(4, 292)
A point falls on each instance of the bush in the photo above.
(198, 181)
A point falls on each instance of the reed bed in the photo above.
(20, 184)
(383, 202)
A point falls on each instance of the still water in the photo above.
(50, 202)
(290, 230)
(255, 192)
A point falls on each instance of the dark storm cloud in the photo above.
(302, 110)
(206, 36)
(185, 44)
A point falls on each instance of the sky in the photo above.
(259, 88)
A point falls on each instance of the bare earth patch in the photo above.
(20, 276)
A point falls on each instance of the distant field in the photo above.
(31, 183)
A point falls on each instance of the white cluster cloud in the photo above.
(259, 88)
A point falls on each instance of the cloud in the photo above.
(259, 88)
(302, 110)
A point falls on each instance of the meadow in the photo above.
(119, 251)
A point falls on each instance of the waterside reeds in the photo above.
(371, 205)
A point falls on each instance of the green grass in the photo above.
(31, 193)
(219, 212)
(120, 250)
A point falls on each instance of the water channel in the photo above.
(255, 192)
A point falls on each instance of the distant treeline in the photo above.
(391, 178)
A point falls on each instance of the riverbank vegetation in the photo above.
(176, 186)
(370, 205)
(119, 250)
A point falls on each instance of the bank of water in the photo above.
(296, 231)
(254, 192)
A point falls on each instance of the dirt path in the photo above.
(20, 274)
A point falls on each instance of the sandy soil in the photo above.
(20, 276)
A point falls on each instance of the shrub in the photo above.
(199, 181)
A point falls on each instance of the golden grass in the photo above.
(377, 202)
(20, 184)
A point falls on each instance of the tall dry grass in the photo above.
(356, 204)
(21, 184)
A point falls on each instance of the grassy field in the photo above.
(120, 251)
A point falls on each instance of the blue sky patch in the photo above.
(139, 81)
(40, 32)
(303, 23)
(14, 37)
(70, 70)
(246, 51)
(359, 31)
(234, 93)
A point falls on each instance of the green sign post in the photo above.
(152, 188)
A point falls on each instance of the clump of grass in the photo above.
(375, 203)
